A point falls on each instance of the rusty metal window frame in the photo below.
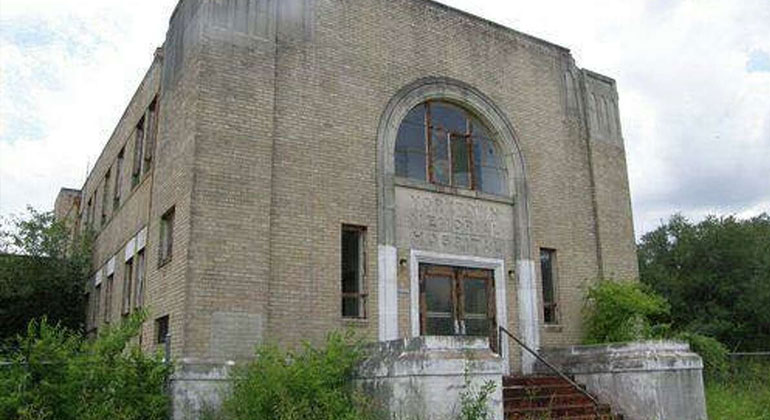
(362, 295)
(433, 132)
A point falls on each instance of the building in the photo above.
(397, 167)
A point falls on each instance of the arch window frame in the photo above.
(467, 143)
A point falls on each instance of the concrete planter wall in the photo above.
(652, 380)
(423, 378)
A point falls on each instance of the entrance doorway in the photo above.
(457, 301)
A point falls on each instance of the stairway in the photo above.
(549, 398)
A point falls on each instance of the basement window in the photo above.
(353, 263)
(548, 275)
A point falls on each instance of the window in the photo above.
(548, 274)
(90, 214)
(118, 176)
(105, 196)
(443, 144)
(161, 329)
(136, 171)
(353, 265)
(128, 274)
(108, 299)
(166, 237)
(97, 304)
(140, 274)
(151, 116)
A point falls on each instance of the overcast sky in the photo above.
(693, 76)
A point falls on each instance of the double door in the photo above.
(457, 301)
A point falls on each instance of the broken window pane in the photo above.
(461, 169)
(440, 157)
(462, 154)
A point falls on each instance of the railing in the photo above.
(545, 362)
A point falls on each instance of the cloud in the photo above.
(694, 95)
(692, 74)
(68, 70)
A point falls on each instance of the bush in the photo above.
(56, 374)
(314, 383)
(623, 311)
(714, 354)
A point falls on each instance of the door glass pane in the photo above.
(438, 294)
(439, 326)
(475, 296)
(478, 327)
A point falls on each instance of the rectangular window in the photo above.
(161, 329)
(136, 171)
(106, 195)
(108, 299)
(140, 275)
(353, 272)
(166, 237)
(128, 274)
(97, 304)
(90, 214)
(152, 133)
(118, 176)
(548, 274)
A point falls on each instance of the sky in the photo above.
(693, 79)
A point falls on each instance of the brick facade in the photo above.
(269, 117)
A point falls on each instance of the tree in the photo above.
(43, 269)
(716, 276)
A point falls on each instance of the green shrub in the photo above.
(474, 403)
(623, 311)
(313, 383)
(57, 374)
(714, 354)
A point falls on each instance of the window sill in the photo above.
(163, 263)
(355, 322)
(553, 328)
(445, 189)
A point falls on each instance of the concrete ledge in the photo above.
(643, 380)
(424, 377)
(197, 386)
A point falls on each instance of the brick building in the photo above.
(398, 167)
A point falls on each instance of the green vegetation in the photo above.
(715, 275)
(55, 373)
(743, 393)
(42, 273)
(313, 383)
(623, 311)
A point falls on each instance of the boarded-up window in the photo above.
(140, 276)
(166, 241)
(353, 263)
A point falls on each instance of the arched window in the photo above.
(443, 144)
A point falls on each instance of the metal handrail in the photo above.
(545, 362)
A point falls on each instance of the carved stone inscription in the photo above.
(453, 224)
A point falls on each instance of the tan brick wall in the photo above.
(267, 146)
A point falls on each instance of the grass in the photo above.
(743, 393)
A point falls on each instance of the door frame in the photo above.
(417, 257)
